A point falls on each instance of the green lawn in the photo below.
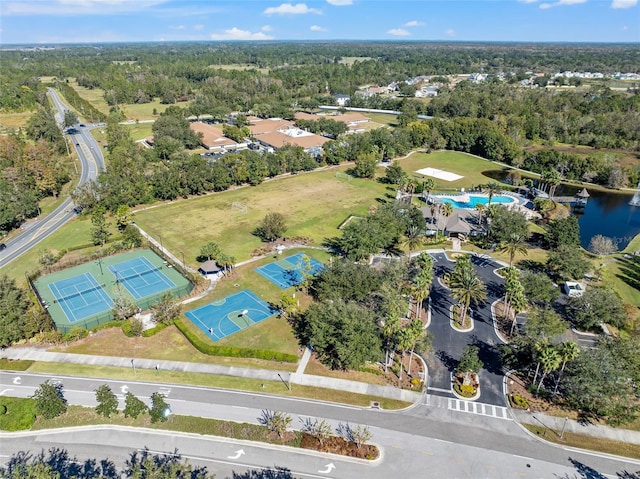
(313, 204)
(475, 171)
(623, 275)
(75, 233)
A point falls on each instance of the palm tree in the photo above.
(568, 351)
(515, 243)
(480, 209)
(447, 210)
(415, 332)
(413, 238)
(550, 361)
(492, 189)
(467, 288)
(550, 178)
(428, 185)
(389, 329)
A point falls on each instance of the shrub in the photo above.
(467, 390)
(230, 351)
(519, 401)
(137, 328)
(147, 333)
(75, 334)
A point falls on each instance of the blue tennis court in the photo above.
(289, 271)
(80, 296)
(141, 277)
(231, 314)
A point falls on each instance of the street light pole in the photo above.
(563, 427)
(134, 367)
(284, 382)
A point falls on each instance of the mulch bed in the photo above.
(338, 445)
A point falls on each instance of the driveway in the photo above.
(448, 344)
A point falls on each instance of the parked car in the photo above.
(3, 246)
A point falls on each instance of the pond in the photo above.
(607, 214)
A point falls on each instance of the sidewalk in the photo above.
(387, 392)
(569, 425)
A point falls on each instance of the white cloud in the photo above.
(398, 32)
(237, 34)
(317, 28)
(177, 27)
(266, 28)
(198, 27)
(414, 23)
(340, 3)
(77, 7)
(528, 1)
(623, 3)
(289, 9)
(560, 3)
(450, 32)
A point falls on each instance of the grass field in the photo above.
(383, 118)
(239, 66)
(139, 112)
(95, 96)
(75, 233)
(473, 169)
(10, 121)
(321, 203)
(624, 276)
(352, 60)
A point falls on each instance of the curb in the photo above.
(168, 432)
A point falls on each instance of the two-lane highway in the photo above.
(423, 438)
(91, 163)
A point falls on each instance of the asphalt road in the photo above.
(448, 343)
(424, 438)
(91, 163)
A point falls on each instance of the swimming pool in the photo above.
(474, 200)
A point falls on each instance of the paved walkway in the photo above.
(388, 392)
(555, 423)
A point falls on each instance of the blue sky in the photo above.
(81, 21)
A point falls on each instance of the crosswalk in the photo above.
(482, 409)
(469, 407)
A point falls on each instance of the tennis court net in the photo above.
(135, 274)
(78, 293)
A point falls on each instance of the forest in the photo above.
(497, 119)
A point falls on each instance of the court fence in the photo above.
(93, 321)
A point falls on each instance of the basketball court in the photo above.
(231, 314)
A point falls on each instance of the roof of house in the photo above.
(211, 135)
(210, 267)
(460, 221)
(340, 95)
(277, 139)
(301, 115)
(261, 126)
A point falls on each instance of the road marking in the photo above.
(328, 468)
(427, 453)
(164, 391)
(237, 455)
(439, 389)
(124, 388)
(4, 391)
(17, 380)
(481, 409)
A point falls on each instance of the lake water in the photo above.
(607, 214)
